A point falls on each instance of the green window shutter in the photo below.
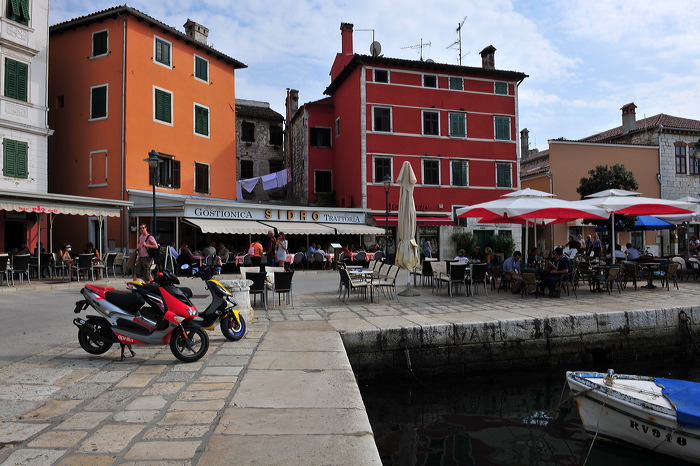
(99, 43)
(163, 106)
(22, 84)
(201, 120)
(176, 174)
(99, 102)
(502, 128)
(503, 175)
(22, 156)
(457, 126)
(15, 8)
(200, 69)
(16, 79)
(162, 52)
(24, 7)
(9, 161)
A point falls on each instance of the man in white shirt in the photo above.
(632, 252)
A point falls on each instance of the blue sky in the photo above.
(585, 59)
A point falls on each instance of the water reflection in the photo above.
(509, 419)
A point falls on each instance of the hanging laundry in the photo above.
(269, 181)
(249, 184)
(239, 192)
(281, 178)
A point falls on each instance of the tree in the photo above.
(603, 177)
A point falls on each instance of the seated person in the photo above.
(65, 255)
(619, 254)
(477, 255)
(21, 250)
(185, 256)
(557, 268)
(461, 257)
(511, 271)
(632, 253)
(310, 252)
(347, 254)
(533, 256)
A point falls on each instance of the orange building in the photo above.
(122, 84)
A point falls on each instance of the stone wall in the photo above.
(300, 158)
(673, 185)
(482, 347)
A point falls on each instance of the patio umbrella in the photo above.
(689, 218)
(407, 251)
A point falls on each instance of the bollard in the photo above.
(239, 289)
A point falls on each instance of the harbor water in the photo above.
(513, 418)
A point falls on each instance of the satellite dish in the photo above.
(430, 60)
(375, 49)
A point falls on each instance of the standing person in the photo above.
(281, 250)
(270, 251)
(589, 245)
(427, 251)
(142, 269)
(255, 251)
(597, 246)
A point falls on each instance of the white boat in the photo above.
(662, 415)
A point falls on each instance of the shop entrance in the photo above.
(14, 234)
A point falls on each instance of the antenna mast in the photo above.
(420, 46)
(458, 42)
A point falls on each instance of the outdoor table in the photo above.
(599, 268)
(352, 270)
(650, 267)
(353, 267)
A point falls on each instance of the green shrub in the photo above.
(463, 240)
(502, 243)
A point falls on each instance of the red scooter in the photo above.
(125, 319)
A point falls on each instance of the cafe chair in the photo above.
(668, 273)
(478, 276)
(631, 272)
(455, 277)
(388, 282)
(84, 265)
(57, 265)
(684, 270)
(530, 280)
(20, 265)
(607, 278)
(347, 285)
(259, 286)
(320, 261)
(361, 259)
(568, 280)
(118, 264)
(247, 270)
(379, 256)
(4, 270)
(283, 286)
(298, 262)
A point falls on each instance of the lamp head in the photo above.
(152, 159)
(387, 182)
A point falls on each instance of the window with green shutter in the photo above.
(459, 173)
(458, 125)
(16, 77)
(98, 102)
(201, 120)
(201, 68)
(99, 43)
(163, 106)
(503, 178)
(456, 83)
(15, 158)
(501, 88)
(502, 128)
(18, 11)
(162, 52)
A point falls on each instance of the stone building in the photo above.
(259, 147)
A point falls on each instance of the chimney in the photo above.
(524, 144)
(629, 118)
(292, 103)
(346, 34)
(488, 61)
(196, 31)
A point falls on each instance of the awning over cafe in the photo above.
(234, 227)
(67, 209)
(50, 203)
(299, 228)
(420, 221)
(354, 229)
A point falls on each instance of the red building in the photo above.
(456, 125)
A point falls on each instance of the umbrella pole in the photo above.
(409, 291)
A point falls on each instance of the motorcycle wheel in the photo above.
(92, 344)
(198, 344)
(232, 329)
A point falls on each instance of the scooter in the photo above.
(124, 319)
(220, 310)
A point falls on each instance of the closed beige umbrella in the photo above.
(407, 252)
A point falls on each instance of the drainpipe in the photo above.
(125, 219)
(551, 227)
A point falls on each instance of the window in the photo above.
(163, 106)
(429, 80)
(276, 135)
(247, 131)
(322, 181)
(162, 52)
(456, 83)
(458, 125)
(98, 102)
(382, 119)
(18, 11)
(382, 167)
(693, 167)
(167, 172)
(201, 68)
(246, 169)
(15, 158)
(276, 165)
(100, 44)
(501, 88)
(201, 120)
(459, 173)
(320, 137)
(502, 131)
(381, 76)
(431, 172)
(431, 123)
(201, 178)
(337, 127)
(503, 172)
(16, 77)
(98, 168)
(680, 159)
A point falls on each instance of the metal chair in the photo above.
(247, 270)
(283, 285)
(388, 281)
(478, 275)
(298, 261)
(83, 264)
(58, 265)
(361, 259)
(379, 256)
(118, 263)
(110, 259)
(20, 265)
(259, 286)
(348, 285)
(456, 276)
(44, 262)
(320, 260)
(529, 280)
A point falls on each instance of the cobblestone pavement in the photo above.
(284, 394)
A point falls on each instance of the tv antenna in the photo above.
(419, 46)
(458, 42)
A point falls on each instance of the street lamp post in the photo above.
(387, 184)
(153, 162)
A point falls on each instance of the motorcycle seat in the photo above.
(130, 302)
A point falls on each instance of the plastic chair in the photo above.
(283, 285)
(259, 286)
(20, 265)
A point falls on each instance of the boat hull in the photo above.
(633, 410)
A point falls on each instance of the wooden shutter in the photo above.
(201, 120)
(10, 77)
(99, 102)
(99, 43)
(22, 75)
(24, 6)
(15, 8)
(176, 173)
(9, 163)
(21, 156)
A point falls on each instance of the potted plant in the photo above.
(502, 243)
